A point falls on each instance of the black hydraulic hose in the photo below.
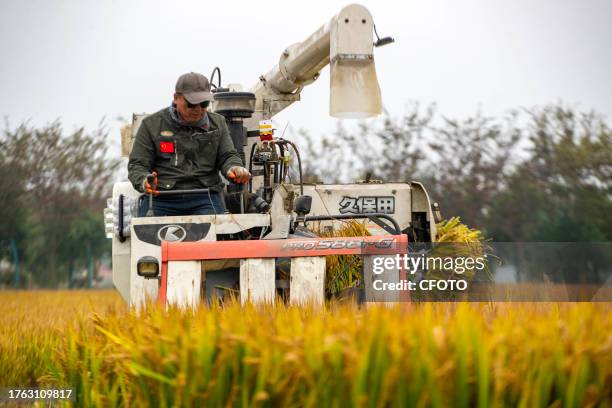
(281, 169)
(212, 76)
(281, 162)
(275, 179)
(285, 166)
(251, 167)
(279, 142)
(387, 217)
(297, 153)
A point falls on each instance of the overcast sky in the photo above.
(87, 59)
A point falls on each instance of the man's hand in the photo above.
(150, 184)
(239, 175)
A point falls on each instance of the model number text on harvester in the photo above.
(337, 244)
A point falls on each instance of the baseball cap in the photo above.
(194, 87)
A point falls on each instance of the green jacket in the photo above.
(183, 156)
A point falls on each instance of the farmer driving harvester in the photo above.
(183, 147)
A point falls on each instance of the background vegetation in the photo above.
(543, 174)
(53, 188)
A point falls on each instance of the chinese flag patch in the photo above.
(166, 147)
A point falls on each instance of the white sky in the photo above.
(88, 59)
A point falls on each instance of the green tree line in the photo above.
(53, 186)
(541, 174)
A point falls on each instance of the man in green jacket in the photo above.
(184, 147)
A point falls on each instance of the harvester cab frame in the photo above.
(184, 259)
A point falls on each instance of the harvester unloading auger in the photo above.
(183, 259)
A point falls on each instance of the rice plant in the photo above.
(439, 355)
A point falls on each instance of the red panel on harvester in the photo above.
(207, 250)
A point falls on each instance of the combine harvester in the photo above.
(182, 260)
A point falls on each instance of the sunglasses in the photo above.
(201, 104)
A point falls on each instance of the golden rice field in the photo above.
(439, 355)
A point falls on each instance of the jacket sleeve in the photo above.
(142, 157)
(227, 157)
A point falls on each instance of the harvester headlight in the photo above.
(148, 267)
